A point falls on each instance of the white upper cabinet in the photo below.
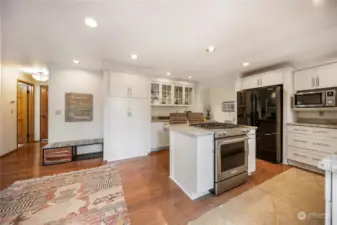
(171, 93)
(327, 75)
(128, 86)
(119, 85)
(305, 79)
(139, 87)
(316, 78)
(262, 80)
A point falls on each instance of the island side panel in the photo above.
(205, 165)
(183, 161)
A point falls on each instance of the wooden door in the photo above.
(22, 113)
(44, 112)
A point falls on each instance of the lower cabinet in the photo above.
(309, 145)
(129, 128)
(160, 136)
(251, 151)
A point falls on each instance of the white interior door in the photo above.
(140, 87)
(119, 85)
(140, 127)
(119, 130)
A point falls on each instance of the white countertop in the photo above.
(314, 125)
(189, 130)
(329, 164)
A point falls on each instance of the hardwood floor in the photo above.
(152, 198)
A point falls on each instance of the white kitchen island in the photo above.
(330, 167)
(191, 159)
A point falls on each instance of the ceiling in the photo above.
(170, 35)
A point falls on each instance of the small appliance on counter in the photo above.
(316, 98)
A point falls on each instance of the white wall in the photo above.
(62, 81)
(220, 91)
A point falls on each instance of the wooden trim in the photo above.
(10, 152)
(31, 120)
(44, 86)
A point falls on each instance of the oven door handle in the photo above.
(223, 142)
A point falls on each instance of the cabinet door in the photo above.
(120, 85)
(305, 79)
(140, 127)
(251, 155)
(327, 76)
(139, 87)
(166, 94)
(159, 136)
(155, 93)
(119, 130)
(272, 78)
(250, 82)
(178, 95)
(188, 95)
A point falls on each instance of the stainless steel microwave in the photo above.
(316, 98)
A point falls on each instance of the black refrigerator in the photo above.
(263, 108)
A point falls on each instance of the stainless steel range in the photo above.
(230, 155)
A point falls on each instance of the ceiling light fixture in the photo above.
(90, 22)
(210, 49)
(39, 74)
(168, 73)
(75, 61)
(246, 64)
(134, 56)
(190, 77)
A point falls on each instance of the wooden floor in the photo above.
(152, 198)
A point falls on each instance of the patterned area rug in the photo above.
(290, 198)
(93, 196)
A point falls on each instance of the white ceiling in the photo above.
(170, 35)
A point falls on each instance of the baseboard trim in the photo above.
(160, 149)
(305, 167)
(193, 196)
(10, 152)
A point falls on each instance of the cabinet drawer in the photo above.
(321, 132)
(299, 155)
(306, 156)
(318, 144)
(300, 129)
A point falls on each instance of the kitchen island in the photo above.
(191, 159)
(193, 165)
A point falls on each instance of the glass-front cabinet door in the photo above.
(178, 95)
(155, 93)
(166, 92)
(188, 96)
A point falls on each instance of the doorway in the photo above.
(25, 113)
(43, 112)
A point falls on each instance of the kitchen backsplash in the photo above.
(317, 117)
(166, 110)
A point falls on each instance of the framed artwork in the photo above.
(79, 107)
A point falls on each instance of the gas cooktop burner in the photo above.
(215, 125)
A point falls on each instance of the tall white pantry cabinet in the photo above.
(128, 116)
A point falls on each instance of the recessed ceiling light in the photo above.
(246, 64)
(90, 22)
(75, 61)
(168, 73)
(190, 77)
(210, 49)
(134, 56)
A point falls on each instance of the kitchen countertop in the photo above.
(314, 125)
(192, 131)
(159, 121)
